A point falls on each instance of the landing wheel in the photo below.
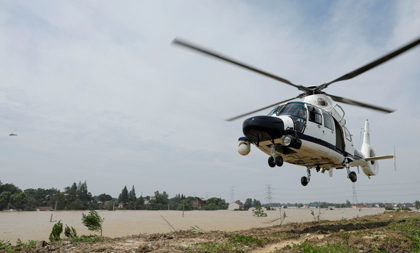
(271, 162)
(279, 161)
(353, 176)
(304, 181)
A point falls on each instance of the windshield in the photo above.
(293, 109)
(296, 111)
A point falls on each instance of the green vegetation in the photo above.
(259, 212)
(70, 232)
(56, 232)
(6, 246)
(93, 221)
(236, 243)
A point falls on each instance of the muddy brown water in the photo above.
(37, 225)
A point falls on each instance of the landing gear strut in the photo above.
(271, 162)
(305, 180)
(274, 159)
(350, 174)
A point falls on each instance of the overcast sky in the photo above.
(96, 93)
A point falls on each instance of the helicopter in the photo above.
(311, 133)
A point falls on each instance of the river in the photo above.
(37, 226)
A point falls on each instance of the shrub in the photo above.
(93, 221)
(56, 231)
(259, 212)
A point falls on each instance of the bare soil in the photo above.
(387, 232)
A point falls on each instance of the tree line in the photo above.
(77, 197)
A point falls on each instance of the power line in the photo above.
(354, 195)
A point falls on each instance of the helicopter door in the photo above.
(339, 136)
(314, 126)
(328, 131)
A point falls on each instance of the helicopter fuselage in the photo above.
(311, 133)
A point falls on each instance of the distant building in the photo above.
(360, 206)
(121, 205)
(44, 208)
(236, 206)
(196, 204)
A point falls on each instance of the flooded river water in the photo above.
(37, 225)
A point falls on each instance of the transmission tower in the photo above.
(232, 194)
(268, 193)
(354, 195)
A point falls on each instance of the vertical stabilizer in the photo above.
(366, 133)
(371, 168)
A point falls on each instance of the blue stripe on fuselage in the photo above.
(320, 142)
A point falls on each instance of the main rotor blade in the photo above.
(200, 49)
(373, 64)
(248, 113)
(357, 103)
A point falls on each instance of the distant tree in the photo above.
(256, 203)
(9, 188)
(82, 192)
(124, 195)
(417, 204)
(160, 202)
(110, 205)
(19, 200)
(348, 203)
(248, 202)
(104, 197)
(71, 193)
(5, 197)
(55, 196)
(132, 195)
(216, 204)
(140, 201)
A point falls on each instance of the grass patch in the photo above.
(6, 246)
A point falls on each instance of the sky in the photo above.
(96, 92)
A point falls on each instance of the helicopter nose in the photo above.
(263, 128)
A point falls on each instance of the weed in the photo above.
(196, 230)
(207, 247)
(245, 240)
(6, 246)
(70, 232)
(333, 248)
(86, 238)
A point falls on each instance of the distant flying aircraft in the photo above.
(12, 134)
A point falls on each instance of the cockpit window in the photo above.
(293, 109)
(296, 111)
(314, 114)
(347, 134)
(328, 121)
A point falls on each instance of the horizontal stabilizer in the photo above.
(379, 157)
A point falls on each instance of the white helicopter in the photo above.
(311, 133)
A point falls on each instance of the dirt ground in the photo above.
(387, 232)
